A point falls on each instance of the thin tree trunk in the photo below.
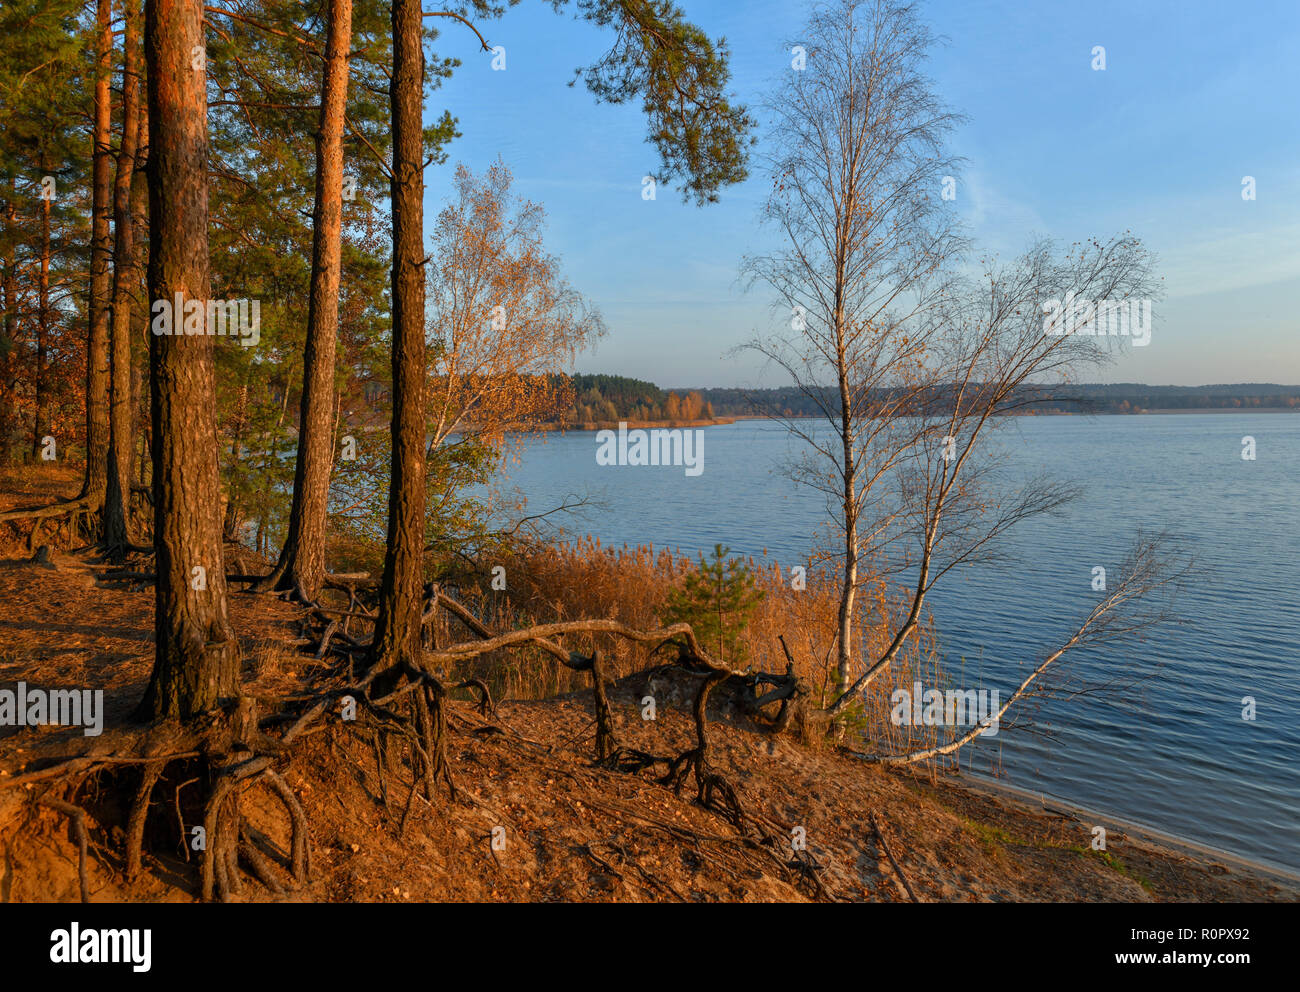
(233, 517)
(302, 561)
(848, 590)
(117, 500)
(97, 370)
(140, 443)
(196, 659)
(9, 344)
(41, 399)
(397, 625)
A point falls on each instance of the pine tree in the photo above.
(718, 600)
(196, 653)
(44, 106)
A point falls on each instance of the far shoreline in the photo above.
(593, 426)
(638, 425)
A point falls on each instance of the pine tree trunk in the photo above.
(397, 625)
(140, 444)
(97, 371)
(41, 400)
(196, 659)
(9, 344)
(117, 500)
(302, 562)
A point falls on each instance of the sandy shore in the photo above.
(1039, 802)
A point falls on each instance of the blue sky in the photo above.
(1195, 96)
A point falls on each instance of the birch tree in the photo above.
(914, 363)
(856, 166)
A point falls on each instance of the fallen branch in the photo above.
(884, 845)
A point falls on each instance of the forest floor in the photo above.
(564, 830)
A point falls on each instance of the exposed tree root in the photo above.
(233, 750)
(301, 842)
(712, 791)
(149, 775)
(610, 751)
(485, 705)
(257, 862)
(73, 520)
(429, 698)
(78, 817)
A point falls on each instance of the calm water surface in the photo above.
(1173, 753)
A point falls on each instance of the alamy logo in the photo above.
(77, 946)
(220, 318)
(23, 707)
(652, 447)
(1100, 318)
(954, 708)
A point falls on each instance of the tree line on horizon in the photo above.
(609, 398)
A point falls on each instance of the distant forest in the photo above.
(607, 399)
(610, 398)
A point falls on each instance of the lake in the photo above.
(1175, 752)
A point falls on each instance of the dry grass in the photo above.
(584, 579)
